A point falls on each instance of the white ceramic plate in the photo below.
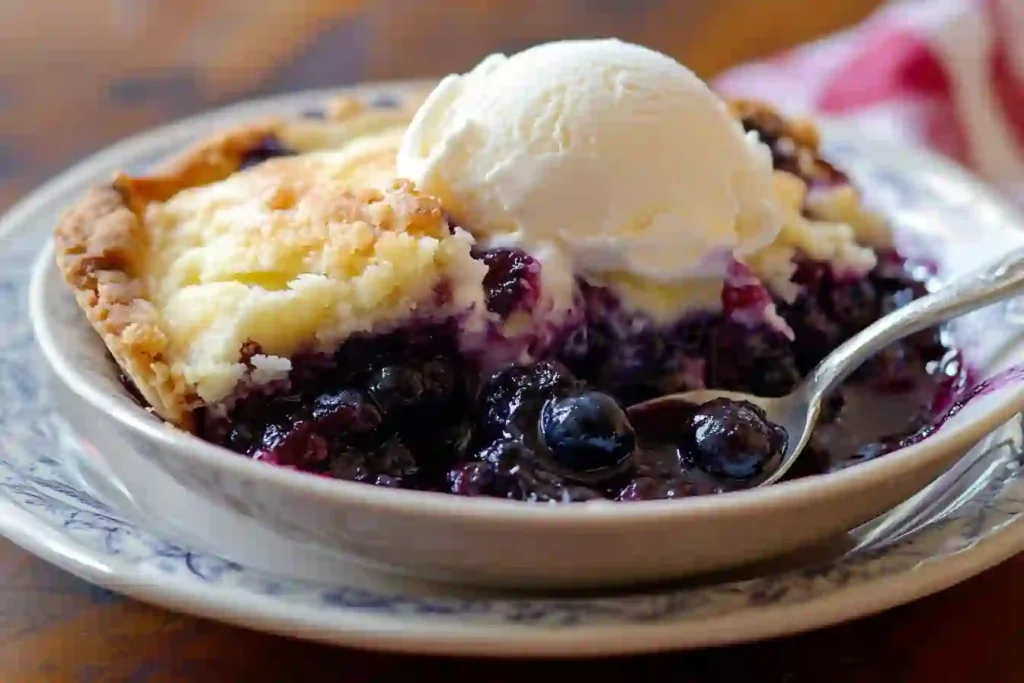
(965, 522)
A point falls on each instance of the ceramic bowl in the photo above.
(237, 507)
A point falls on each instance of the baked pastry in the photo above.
(279, 291)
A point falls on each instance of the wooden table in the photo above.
(77, 74)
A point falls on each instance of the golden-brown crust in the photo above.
(100, 241)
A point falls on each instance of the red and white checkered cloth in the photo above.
(948, 74)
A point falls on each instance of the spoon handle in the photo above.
(998, 281)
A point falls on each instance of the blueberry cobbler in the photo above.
(466, 296)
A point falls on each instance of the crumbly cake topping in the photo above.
(178, 270)
(836, 242)
(282, 255)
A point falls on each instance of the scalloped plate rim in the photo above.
(421, 635)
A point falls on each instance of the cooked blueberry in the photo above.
(815, 334)
(504, 453)
(508, 469)
(395, 386)
(586, 432)
(511, 398)
(291, 444)
(853, 304)
(347, 410)
(351, 465)
(734, 439)
(439, 380)
(471, 479)
(493, 471)
(268, 148)
(395, 459)
(512, 281)
(239, 438)
(757, 360)
(392, 460)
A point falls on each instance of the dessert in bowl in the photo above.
(463, 298)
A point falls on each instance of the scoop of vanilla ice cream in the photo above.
(612, 155)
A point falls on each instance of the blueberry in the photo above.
(395, 386)
(504, 454)
(815, 334)
(734, 438)
(348, 410)
(440, 380)
(239, 438)
(350, 465)
(854, 304)
(757, 360)
(267, 148)
(395, 459)
(512, 281)
(502, 461)
(492, 471)
(586, 432)
(510, 399)
(292, 444)
(509, 469)
(392, 464)
(471, 479)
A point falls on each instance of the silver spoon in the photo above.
(798, 411)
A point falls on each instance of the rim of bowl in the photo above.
(958, 436)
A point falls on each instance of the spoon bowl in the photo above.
(797, 412)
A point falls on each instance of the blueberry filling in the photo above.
(407, 409)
